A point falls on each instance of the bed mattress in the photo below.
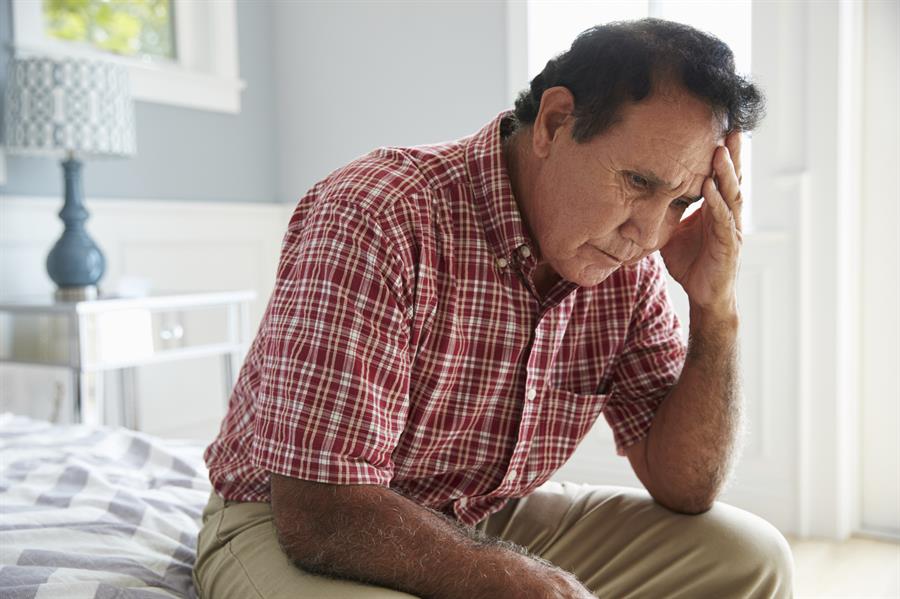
(97, 512)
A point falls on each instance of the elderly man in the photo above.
(449, 321)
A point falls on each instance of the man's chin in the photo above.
(593, 275)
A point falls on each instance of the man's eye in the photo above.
(638, 181)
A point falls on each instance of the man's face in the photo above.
(619, 197)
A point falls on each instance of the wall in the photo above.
(183, 153)
(352, 76)
(326, 82)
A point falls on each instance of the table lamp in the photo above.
(72, 108)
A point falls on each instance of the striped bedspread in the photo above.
(96, 512)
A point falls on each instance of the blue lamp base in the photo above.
(75, 263)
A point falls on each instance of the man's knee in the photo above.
(756, 556)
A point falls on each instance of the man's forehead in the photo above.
(674, 166)
(675, 118)
(669, 162)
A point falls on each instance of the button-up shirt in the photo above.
(406, 345)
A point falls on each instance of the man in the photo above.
(449, 321)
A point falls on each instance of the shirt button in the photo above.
(463, 501)
(531, 394)
(525, 251)
(513, 474)
(501, 263)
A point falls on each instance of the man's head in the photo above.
(614, 135)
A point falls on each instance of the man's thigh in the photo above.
(238, 556)
(622, 544)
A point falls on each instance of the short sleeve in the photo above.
(334, 383)
(651, 359)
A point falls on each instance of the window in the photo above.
(133, 28)
(181, 52)
(551, 25)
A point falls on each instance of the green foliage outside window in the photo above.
(128, 27)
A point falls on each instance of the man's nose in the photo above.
(645, 223)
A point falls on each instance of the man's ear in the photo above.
(557, 105)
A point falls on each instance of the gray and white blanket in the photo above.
(97, 512)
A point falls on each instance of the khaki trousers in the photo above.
(616, 540)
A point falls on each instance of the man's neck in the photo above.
(517, 153)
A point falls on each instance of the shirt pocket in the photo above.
(565, 419)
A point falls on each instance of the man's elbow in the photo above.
(684, 495)
(291, 538)
(306, 525)
(690, 504)
(311, 548)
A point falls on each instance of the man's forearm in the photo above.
(373, 535)
(695, 434)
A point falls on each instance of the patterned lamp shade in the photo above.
(63, 105)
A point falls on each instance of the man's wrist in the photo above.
(713, 330)
(722, 316)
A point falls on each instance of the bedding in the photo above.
(95, 512)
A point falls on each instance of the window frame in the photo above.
(203, 76)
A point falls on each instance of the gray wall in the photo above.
(326, 81)
(183, 153)
(353, 76)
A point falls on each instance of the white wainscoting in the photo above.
(175, 247)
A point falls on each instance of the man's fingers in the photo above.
(721, 210)
(728, 185)
(733, 143)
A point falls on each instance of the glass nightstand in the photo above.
(119, 334)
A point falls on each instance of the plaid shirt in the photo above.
(405, 344)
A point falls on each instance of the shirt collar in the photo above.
(503, 224)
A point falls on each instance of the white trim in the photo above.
(879, 535)
(828, 502)
(219, 349)
(204, 77)
(880, 270)
(154, 302)
(125, 206)
(850, 85)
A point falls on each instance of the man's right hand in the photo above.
(543, 580)
(370, 534)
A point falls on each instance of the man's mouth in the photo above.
(612, 257)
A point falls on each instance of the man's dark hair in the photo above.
(611, 64)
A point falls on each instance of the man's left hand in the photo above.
(703, 254)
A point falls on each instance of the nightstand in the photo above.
(119, 334)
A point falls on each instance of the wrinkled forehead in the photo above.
(676, 135)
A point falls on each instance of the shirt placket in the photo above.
(517, 473)
(519, 263)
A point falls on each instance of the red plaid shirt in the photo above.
(405, 344)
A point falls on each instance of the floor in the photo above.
(860, 568)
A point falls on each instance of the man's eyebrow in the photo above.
(657, 181)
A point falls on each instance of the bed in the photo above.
(95, 512)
